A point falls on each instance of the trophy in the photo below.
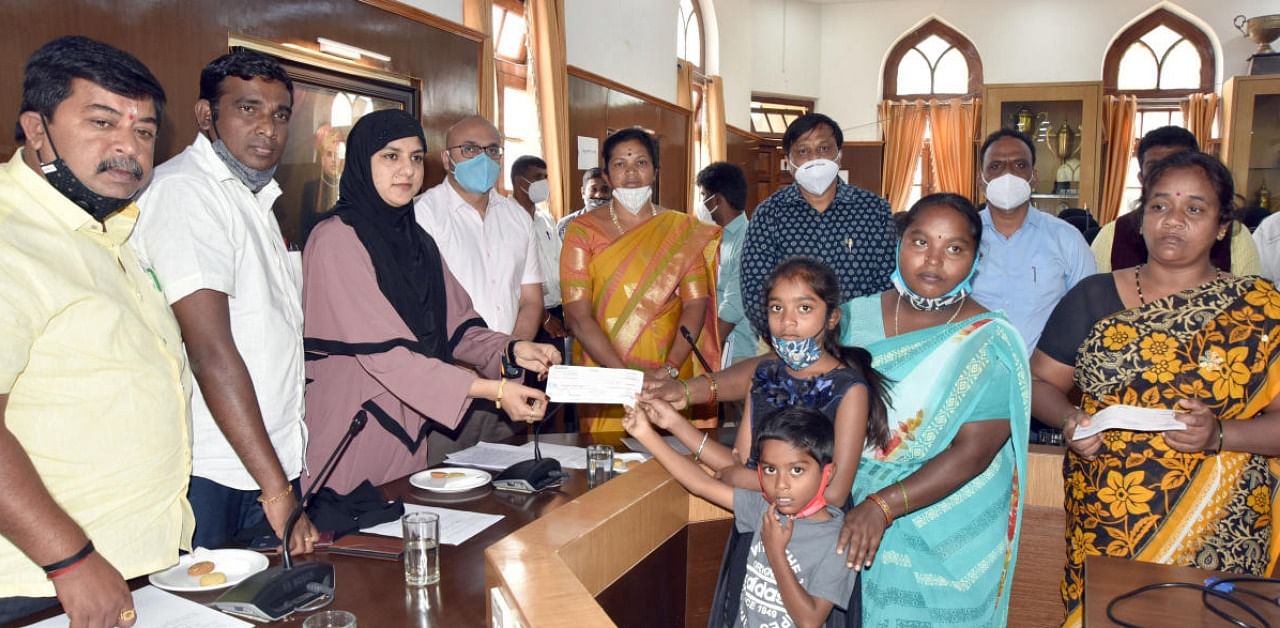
(1026, 122)
(1065, 145)
(1263, 30)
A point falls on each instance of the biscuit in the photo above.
(199, 569)
(439, 474)
(211, 579)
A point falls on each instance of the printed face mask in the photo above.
(59, 175)
(798, 354)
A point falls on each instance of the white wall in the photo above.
(735, 20)
(632, 42)
(447, 9)
(788, 50)
(1019, 41)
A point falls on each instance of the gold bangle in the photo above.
(715, 388)
(884, 506)
(275, 498)
(502, 381)
(905, 508)
(688, 399)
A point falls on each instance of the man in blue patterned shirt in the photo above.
(848, 228)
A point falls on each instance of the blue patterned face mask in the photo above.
(798, 354)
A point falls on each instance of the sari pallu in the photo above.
(637, 285)
(951, 563)
(1138, 498)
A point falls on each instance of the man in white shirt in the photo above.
(486, 242)
(1267, 237)
(208, 233)
(529, 187)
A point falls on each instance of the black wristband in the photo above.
(511, 352)
(70, 560)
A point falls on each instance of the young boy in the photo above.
(794, 576)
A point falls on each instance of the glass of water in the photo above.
(330, 619)
(421, 548)
(599, 464)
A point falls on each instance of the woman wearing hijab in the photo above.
(389, 332)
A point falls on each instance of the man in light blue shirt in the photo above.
(723, 189)
(1029, 258)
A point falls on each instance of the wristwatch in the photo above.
(672, 371)
(510, 369)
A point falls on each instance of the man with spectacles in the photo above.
(485, 240)
(848, 228)
(1029, 258)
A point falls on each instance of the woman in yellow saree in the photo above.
(631, 274)
(1173, 333)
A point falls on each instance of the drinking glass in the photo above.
(599, 464)
(421, 548)
(330, 619)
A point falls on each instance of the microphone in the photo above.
(693, 344)
(275, 593)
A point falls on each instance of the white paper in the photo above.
(1130, 418)
(588, 153)
(491, 456)
(456, 526)
(570, 457)
(161, 609)
(672, 441)
(589, 384)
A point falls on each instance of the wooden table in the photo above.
(1107, 578)
(375, 590)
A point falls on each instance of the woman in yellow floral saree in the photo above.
(1173, 333)
(631, 274)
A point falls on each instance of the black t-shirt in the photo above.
(1090, 301)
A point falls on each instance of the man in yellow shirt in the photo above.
(94, 431)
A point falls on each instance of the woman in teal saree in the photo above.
(936, 526)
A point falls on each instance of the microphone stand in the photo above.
(274, 593)
(693, 344)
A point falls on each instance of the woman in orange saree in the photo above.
(1174, 333)
(631, 274)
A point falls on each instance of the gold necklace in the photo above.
(897, 307)
(1137, 280)
(613, 215)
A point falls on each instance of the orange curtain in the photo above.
(1118, 115)
(953, 125)
(684, 98)
(550, 71)
(903, 127)
(715, 133)
(478, 14)
(1198, 112)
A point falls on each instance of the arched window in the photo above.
(933, 60)
(689, 33)
(1161, 59)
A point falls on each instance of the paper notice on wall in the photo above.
(588, 153)
(844, 176)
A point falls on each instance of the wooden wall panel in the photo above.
(175, 38)
(741, 150)
(598, 105)
(865, 163)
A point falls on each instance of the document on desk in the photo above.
(491, 456)
(589, 384)
(161, 609)
(570, 457)
(456, 526)
(1131, 418)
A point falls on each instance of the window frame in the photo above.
(808, 105)
(889, 90)
(702, 37)
(1129, 36)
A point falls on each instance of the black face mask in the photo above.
(59, 175)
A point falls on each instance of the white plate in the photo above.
(472, 478)
(621, 459)
(238, 564)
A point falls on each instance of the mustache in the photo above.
(121, 163)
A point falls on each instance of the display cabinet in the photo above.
(1064, 120)
(1251, 137)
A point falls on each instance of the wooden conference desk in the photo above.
(1106, 578)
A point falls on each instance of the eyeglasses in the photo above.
(472, 149)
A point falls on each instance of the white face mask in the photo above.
(817, 175)
(1008, 191)
(539, 191)
(704, 213)
(593, 203)
(633, 198)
